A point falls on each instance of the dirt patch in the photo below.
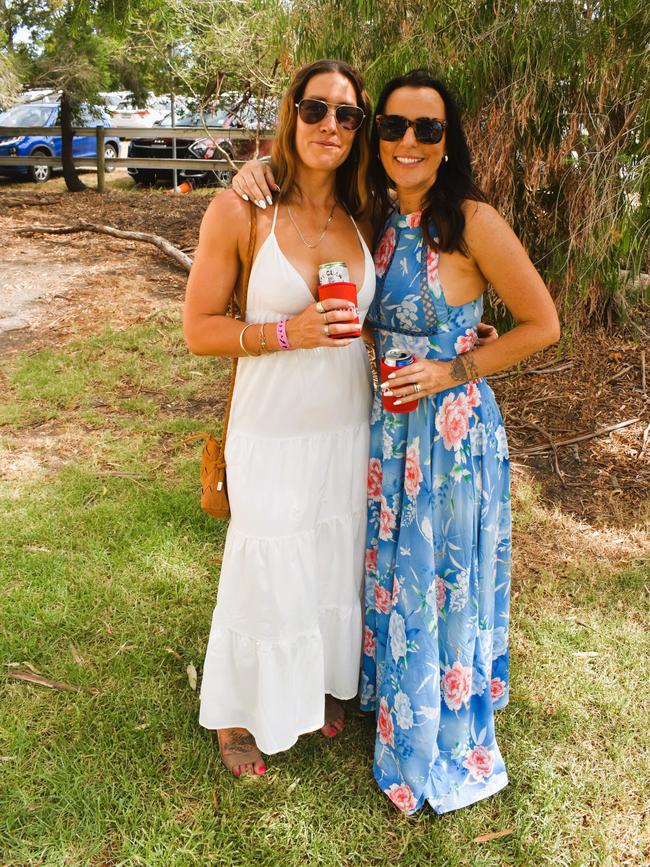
(604, 480)
(54, 288)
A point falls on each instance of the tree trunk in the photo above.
(71, 176)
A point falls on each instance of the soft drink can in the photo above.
(333, 272)
(395, 358)
(398, 358)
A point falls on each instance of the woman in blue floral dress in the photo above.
(435, 664)
(437, 588)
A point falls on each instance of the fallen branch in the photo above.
(541, 370)
(543, 447)
(553, 447)
(26, 202)
(145, 237)
(620, 374)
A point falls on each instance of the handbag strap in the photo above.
(246, 273)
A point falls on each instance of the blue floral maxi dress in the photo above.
(435, 661)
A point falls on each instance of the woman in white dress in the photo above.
(286, 631)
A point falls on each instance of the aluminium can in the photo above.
(333, 272)
(398, 358)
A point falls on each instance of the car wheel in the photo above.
(39, 174)
(110, 153)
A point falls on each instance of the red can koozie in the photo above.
(389, 402)
(347, 291)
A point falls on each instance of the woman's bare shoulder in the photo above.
(481, 215)
(227, 206)
(227, 219)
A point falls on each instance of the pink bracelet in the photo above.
(281, 331)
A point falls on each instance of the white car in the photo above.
(126, 114)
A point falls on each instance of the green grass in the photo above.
(110, 555)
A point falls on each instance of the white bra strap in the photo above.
(275, 217)
(354, 224)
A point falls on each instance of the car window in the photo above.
(92, 115)
(213, 119)
(27, 115)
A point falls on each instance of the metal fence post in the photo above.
(99, 139)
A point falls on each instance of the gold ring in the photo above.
(320, 308)
(416, 388)
(325, 319)
(326, 329)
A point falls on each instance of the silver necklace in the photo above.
(322, 234)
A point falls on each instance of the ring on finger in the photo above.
(326, 329)
(325, 319)
(319, 308)
(416, 388)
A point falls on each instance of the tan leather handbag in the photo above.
(214, 488)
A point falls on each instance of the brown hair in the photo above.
(351, 182)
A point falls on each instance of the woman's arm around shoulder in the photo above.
(224, 233)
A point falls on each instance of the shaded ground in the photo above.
(53, 289)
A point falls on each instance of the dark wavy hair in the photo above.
(454, 182)
(351, 187)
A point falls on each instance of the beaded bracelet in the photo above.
(281, 332)
(262, 343)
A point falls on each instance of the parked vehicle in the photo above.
(47, 114)
(113, 98)
(42, 94)
(202, 147)
(126, 113)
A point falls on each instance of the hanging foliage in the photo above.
(555, 100)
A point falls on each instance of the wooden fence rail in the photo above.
(101, 162)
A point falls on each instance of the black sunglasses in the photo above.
(392, 127)
(348, 117)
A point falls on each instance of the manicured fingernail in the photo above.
(262, 204)
(244, 197)
(277, 188)
(384, 385)
(263, 769)
(391, 376)
(387, 393)
(397, 403)
(269, 200)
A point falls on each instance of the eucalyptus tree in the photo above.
(81, 48)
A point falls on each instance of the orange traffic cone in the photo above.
(185, 187)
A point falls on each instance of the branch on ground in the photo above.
(26, 201)
(542, 448)
(145, 237)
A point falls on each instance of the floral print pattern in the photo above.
(435, 663)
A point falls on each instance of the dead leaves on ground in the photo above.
(495, 835)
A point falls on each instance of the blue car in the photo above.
(47, 114)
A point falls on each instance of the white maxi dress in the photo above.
(288, 621)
